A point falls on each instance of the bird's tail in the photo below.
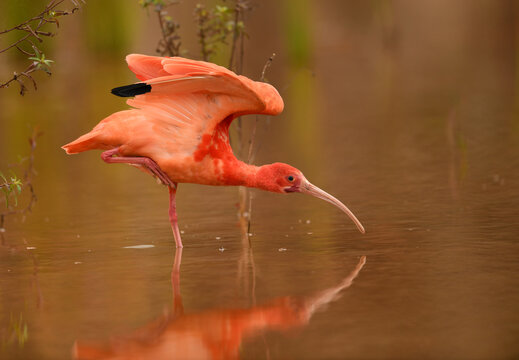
(83, 143)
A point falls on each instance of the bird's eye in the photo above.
(290, 178)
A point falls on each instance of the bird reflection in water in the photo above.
(210, 334)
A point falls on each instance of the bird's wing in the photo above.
(149, 67)
(177, 75)
(192, 98)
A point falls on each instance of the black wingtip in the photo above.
(131, 90)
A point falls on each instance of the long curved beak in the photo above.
(309, 188)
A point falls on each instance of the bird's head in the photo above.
(283, 178)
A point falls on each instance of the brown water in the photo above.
(407, 113)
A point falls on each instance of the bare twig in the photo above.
(266, 66)
(240, 7)
(251, 155)
(252, 152)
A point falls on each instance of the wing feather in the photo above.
(146, 67)
(149, 67)
(195, 105)
(188, 99)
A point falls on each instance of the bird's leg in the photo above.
(173, 215)
(112, 156)
(178, 307)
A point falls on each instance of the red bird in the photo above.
(178, 129)
(214, 333)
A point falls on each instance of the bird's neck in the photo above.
(241, 174)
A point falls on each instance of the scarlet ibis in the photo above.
(212, 333)
(178, 129)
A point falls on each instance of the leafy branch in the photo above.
(11, 186)
(216, 25)
(32, 36)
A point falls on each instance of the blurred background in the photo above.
(408, 111)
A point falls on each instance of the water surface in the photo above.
(414, 126)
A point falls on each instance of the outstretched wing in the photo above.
(163, 75)
(176, 104)
(190, 98)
